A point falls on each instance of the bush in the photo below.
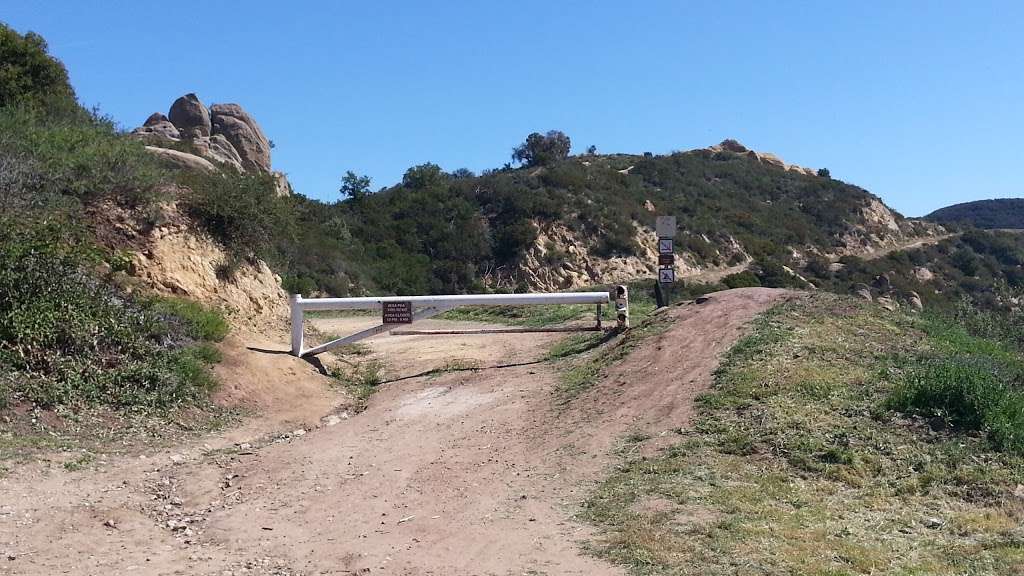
(197, 321)
(71, 154)
(243, 212)
(745, 279)
(969, 393)
(28, 74)
(70, 338)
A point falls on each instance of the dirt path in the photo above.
(910, 245)
(465, 472)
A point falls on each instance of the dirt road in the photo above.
(458, 473)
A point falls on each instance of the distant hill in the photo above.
(585, 220)
(988, 214)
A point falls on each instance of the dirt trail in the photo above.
(908, 245)
(466, 472)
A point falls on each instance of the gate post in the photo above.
(297, 317)
(622, 306)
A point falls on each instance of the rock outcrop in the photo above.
(563, 259)
(190, 116)
(733, 146)
(232, 122)
(157, 129)
(221, 136)
(182, 160)
(178, 260)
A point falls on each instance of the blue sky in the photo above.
(921, 103)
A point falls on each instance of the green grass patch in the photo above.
(69, 337)
(361, 379)
(796, 465)
(200, 322)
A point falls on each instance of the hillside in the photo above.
(1001, 213)
(153, 421)
(584, 220)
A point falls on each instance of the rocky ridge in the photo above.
(733, 146)
(224, 136)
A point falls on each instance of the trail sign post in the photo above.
(666, 229)
(665, 226)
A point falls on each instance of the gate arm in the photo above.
(421, 314)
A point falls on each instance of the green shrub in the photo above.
(72, 154)
(28, 74)
(199, 322)
(969, 393)
(241, 211)
(745, 279)
(68, 337)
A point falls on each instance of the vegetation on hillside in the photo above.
(452, 232)
(1007, 213)
(71, 335)
(839, 439)
(986, 267)
(28, 75)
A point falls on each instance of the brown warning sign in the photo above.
(396, 312)
(666, 259)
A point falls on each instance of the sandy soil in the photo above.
(466, 472)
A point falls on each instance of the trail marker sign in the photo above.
(666, 259)
(396, 312)
(665, 246)
(666, 275)
(665, 226)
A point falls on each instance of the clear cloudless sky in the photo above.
(919, 102)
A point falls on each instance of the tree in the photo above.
(354, 186)
(542, 149)
(824, 173)
(423, 176)
(28, 75)
(462, 174)
(591, 150)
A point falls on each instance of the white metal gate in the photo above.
(422, 307)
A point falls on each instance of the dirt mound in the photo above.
(259, 376)
(653, 389)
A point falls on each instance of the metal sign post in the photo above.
(666, 228)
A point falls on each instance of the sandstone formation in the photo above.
(181, 261)
(231, 121)
(223, 136)
(733, 146)
(190, 116)
(182, 160)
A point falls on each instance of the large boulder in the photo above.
(771, 159)
(923, 274)
(244, 134)
(157, 130)
(154, 119)
(282, 187)
(222, 151)
(862, 291)
(914, 300)
(731, 145)
(182, 160)
(190, 116)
